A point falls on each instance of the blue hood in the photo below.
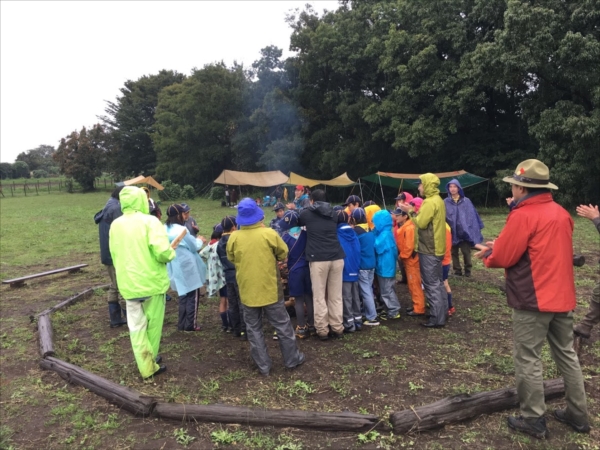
(456, 182)
(382, 221)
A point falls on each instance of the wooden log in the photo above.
(122, 396)
(464, 406)
(343, 421)
(18, 282)
(74, 299)
(45, 335)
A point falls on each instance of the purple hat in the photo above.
(174, 210)
(398, 212)
(228, 223)
(353, 199)
(249, 212)
(278, 206)
(218, 228)
(342, 216)
(289, 220)
(337, 208)
(186, 207)
(359, 215)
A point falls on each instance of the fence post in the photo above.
(25, 188)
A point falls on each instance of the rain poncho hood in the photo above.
(465, 223)
(431, 184)
(386, 250)
(133, 199)
(139, 247)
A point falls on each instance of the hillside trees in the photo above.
(39, 158)
(130, 121)
(549, 53)
(196, 121)
(82, 155)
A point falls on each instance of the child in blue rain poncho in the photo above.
(386, 255)
(187, 271)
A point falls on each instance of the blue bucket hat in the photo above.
(249, 212)
(289, 220)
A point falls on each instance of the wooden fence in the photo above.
(35, 187)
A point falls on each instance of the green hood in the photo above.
(134, 199)
(430, 184)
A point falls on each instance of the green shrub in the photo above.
(40, 173)
(217, 193)
(171, 191)
(70, 185)
(188, 192)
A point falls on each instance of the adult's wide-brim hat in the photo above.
(249, 212)
(531, 173)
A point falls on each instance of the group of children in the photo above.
(375, 243)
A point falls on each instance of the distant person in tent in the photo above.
(140, 250)
(104, 219)
(234, 197)
(466, 226)
(277, 193)
(301, 199)
(227, 196)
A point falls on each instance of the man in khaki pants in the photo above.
(536, 249)
(326, 259)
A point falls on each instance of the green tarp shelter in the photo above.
(411, 181)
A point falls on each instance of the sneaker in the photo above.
(275, 337)
(370, 323)
(451, 311)
(561, 416)
(312, 331)
(334, 335)
(349, 329)
(382, 316)
(396, 316)
(301, 332)
(324, 337)
(357, 326)
(531, 426)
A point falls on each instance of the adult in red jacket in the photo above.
(536, 249)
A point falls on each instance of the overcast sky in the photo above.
(61, 61)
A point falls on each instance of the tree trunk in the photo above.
(122, 396)
(344, 421)
(464, 406)
(45, 335)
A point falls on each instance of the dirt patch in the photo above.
(378, 370)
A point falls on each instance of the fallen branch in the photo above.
(344, 421)
(122, 396)
(464, 406)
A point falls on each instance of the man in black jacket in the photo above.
(236, 317)
(326, 259)
(104, 219)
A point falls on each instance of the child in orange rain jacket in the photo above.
(446, 268)
(405, 240)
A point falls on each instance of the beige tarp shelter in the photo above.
(144, 180)
(341, 181)
(260, 179)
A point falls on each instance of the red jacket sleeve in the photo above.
(511, 244)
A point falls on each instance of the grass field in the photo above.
(391, 367)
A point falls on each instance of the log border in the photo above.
(446, 411)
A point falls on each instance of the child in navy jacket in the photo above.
(350, 290)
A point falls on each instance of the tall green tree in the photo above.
(548, 52)
(130, 122)
(82, 155)
(6, 171)
(196, 121)
(20, 169)
(38, 158)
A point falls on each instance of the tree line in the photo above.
(401, 86)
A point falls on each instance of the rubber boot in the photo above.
(584, 328)
(114, 311)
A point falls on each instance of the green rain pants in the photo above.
(145, 322)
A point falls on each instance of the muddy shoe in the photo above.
(578, 260)
(531, 426)
(301, 332)
(561, 416)
(161, 369)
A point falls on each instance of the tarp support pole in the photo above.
(362, 200)
(382, 197)
(486, 192)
